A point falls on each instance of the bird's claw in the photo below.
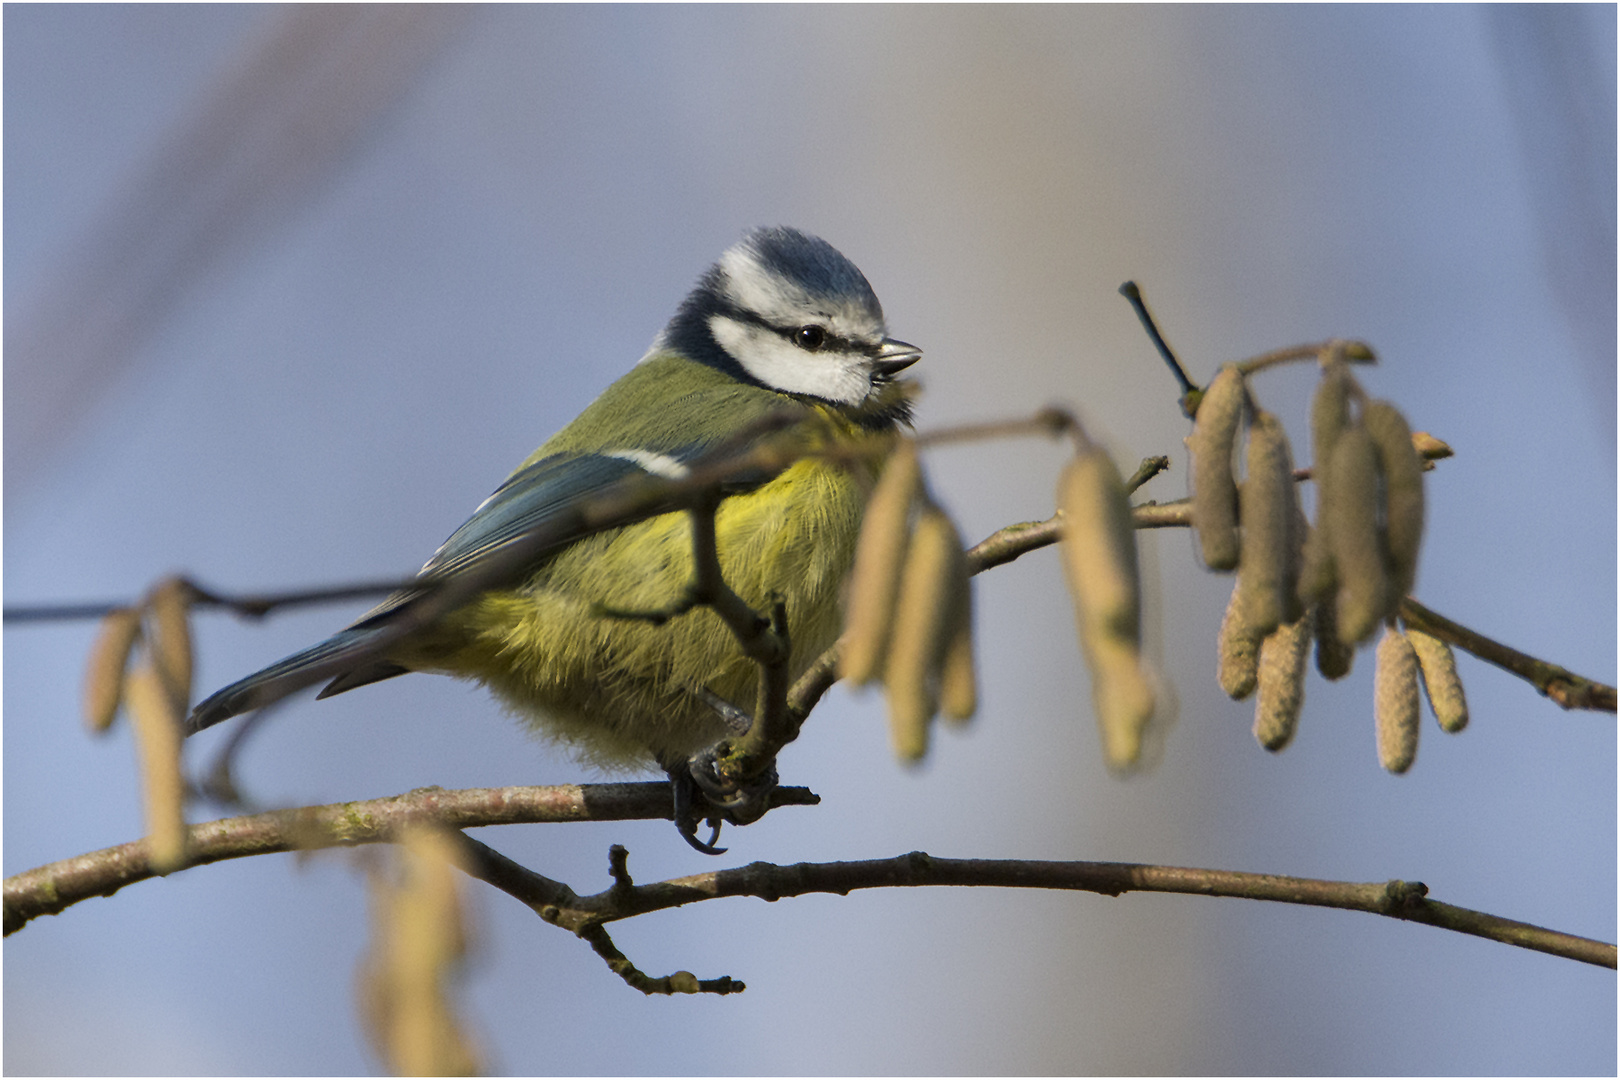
(702, 794)
(687, 814)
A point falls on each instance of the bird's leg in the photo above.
(702, 793)
(734, 718)
(741, 801)
(691, 807)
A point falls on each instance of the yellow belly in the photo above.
(620, 691)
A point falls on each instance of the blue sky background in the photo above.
(274, 352)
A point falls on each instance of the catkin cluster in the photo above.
(1335, 581)
(909, 612)
(142, 659)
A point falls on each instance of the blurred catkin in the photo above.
(874, 582)
(168, 608)
(419, 937)
(1333, 657)
(1100, 562)
(104, 672)
(1238, 653)
(157, 738)
(1099, 547)
(1124, 697)
(931, 585)
(958, 679)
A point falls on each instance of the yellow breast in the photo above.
(620, 691)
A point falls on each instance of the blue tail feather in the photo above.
(342, 658)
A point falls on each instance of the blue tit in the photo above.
(782, 321)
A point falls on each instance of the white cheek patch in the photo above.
(832, 376)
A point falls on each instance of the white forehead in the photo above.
(753, 286)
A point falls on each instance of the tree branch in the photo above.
(56, 886)
(549, 899)
(767, 881)
(50, 889)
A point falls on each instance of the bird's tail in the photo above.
(347, 658)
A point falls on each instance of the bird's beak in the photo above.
(894, 356)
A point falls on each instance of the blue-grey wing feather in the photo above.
(529, 498)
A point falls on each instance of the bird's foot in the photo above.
(739, 802)
(703, 794)
(691, 807)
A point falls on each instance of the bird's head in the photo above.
(786, 311)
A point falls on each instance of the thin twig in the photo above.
(1147, 470)
(1176, 514)
(1356, 351)
(1008, 543)
(1050, 421)
(1568, 689)
(1190, 393)
(682, 982)
(250, 605)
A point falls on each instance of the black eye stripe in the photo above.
(830, 341)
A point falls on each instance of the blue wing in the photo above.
(540, 492)
(529, 498)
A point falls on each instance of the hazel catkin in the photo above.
(1281, 683)
(1333, 657)
(922, 630)
(1099, 547)
(104, 671)
(1438, 666)
(1214, 494)
(1350, 506)
(1100, 562)
(167, 610)
(1402, 471)
(1268, 578)
(1238, 649)
(157, 738)
(874, 582)
(1330, 416)
(958, 679)
(1395, 701)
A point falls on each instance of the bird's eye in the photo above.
(810, 338)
